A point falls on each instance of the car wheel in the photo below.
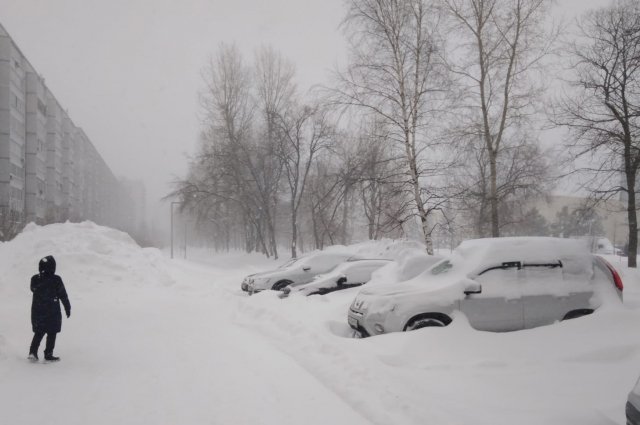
(425, 321)
(281, 284)
(577, 313)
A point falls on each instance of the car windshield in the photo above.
(441, 268)
(289, 263)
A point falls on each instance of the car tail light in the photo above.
(617, 280)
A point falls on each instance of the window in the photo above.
(42, 107)
(441, 267)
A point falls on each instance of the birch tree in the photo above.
(395, 74)
(503, 43)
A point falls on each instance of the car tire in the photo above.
(427, 321)
(574, 314)
(281, 284)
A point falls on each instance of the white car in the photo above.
(296, 271)
(346, 275)
(500, 284)
(633, 406)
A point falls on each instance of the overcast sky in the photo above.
(128, 71)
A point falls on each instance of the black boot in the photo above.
(48, 351)
(51, 358)
(35, 343)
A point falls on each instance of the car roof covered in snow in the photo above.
(478, 254)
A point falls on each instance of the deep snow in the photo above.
(156, 341)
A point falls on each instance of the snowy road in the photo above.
(155, 341)
(162, 356)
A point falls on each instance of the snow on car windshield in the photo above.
(289, 263)
(442, 267)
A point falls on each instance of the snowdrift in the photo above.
(86, 254)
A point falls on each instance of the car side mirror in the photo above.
(473, 288)
(341, 280)
(306, 268)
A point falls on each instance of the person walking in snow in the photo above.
(46, 317)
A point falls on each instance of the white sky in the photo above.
(128, 71)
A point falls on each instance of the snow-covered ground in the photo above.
(155, 341)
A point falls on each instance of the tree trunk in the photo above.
(422, 213)
(633, 218)
(294, 233)
(345, 214)
(493, 197)
(272, 237)
(314, 225)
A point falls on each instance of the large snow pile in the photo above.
(85, 253)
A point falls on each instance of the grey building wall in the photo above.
(68, 182)
(36, 150)
(49, 169)
(54, 142)
(12, 128)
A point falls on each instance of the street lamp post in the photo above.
(172, 204)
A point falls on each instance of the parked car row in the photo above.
(296, 272)
(349, 274)
(500, 284)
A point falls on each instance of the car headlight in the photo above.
(359, 304)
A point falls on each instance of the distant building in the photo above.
(49, 169)
(612, 214)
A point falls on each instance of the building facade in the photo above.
(50, 171)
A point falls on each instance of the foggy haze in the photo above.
(129, 72)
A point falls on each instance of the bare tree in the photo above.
(395, 73)
(304, 132)
(503, 43)
(385, 203)
(323, 199)
(275, 92)
(603, 110)
(523, 175)
(233, 172)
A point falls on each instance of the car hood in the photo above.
(269, 274)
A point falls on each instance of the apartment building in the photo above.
(12, 129)
(36, 155)
(50, 171)
(55, 135)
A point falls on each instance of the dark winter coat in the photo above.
(48, 290)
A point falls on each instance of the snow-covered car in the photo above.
(598, 245)
(346, 275)
(500, 284)
(296, 271)
(633, 406)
